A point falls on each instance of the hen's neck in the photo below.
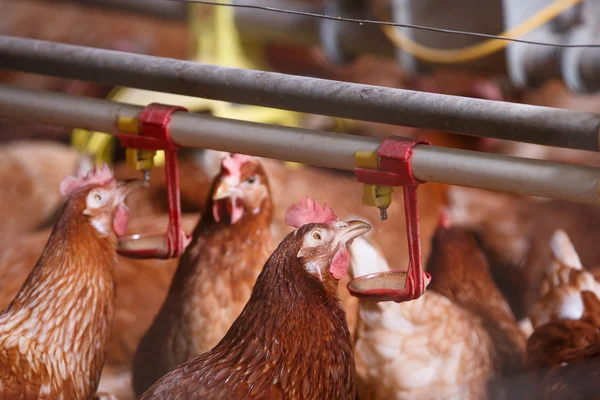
(63, 312)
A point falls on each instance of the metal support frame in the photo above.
(562, 181)
(502, 120)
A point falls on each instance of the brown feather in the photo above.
(460, 272)
(564, 355)
(142, 287)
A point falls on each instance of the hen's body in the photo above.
(212, 284)
(460, 273)
(53, 334)
(142, 286)
(208, 292)
(515, 232)
(565, 354)
(290, 341)
(429, 348)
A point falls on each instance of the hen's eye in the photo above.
(96, 198)
(317, 236)
(251, 180)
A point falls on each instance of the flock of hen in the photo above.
(257, 305)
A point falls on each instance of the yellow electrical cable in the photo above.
(470, 53)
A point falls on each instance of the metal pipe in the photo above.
(322, 149)
(299, 30)
(563, 181)
(335, 150)
(502, 120)
(59, 109)
(288, 28)
(163, 9)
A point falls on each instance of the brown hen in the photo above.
(460, 272)
(564, 355)
(216, 273)
(142, 286)
(53, 334)
(514, 232)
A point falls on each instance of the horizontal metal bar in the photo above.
(335, 150)
(502, 120)
(323, 149)
(561, 181)
(163, 9)
(293, 29)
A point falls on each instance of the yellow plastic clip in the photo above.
(377, 196)
(97, 144)
(374, 195)
(366, 159)
(140, 160)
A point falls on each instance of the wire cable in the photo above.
(393, 24)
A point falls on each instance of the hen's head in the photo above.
(323, 239)
(241, 189)
(98, 197)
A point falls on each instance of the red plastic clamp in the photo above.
(395, 168)
(395, 163)
(154, 135)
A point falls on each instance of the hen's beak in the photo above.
(348, 231)
(225, 190)
(126, 187)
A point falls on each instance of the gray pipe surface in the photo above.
(561, 181)
(502, 120)
(300, 30)
(279, 27)
(335, 150)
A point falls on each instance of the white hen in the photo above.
(423, 349)
(565, 280)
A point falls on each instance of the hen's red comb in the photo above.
(97, 176)
(308, 211)
(232, 163)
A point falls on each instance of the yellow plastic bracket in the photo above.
(139, 160)
(377, 196)
(366, 159)
(373, 195)
(128, 125)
